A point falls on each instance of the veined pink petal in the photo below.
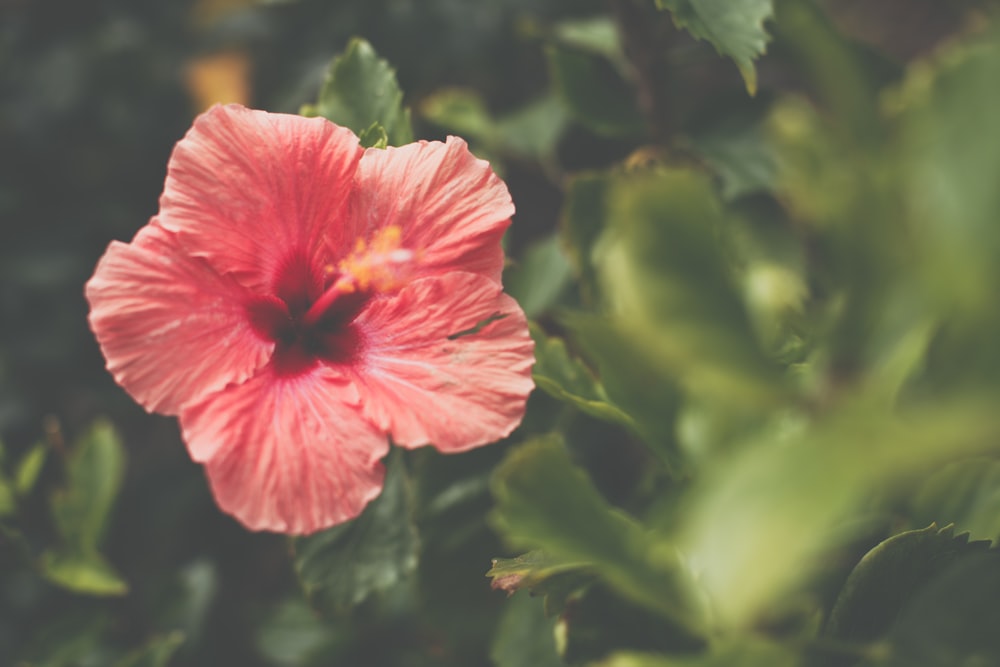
(288, 454)
(451, 207)
(171, 328)
(430, 376)
(252, 191)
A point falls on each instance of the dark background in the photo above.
(93, 96)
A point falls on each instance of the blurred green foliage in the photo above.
(763, 301)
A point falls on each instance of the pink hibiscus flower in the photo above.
(299, 299)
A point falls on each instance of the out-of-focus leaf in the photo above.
(15, 538)
(540, 277)
(734, 27)
(342, 566)
(95, 467)
(839, 72)
(8, 500)
(597, 622)
(636, 387)
(817, 178)
(666, 277)
(29, 467)
(598, 35)
(898, 354)
(524, 635)
(533, 130)
(594, 92)
(69, 639)
(775, 295)
(156, 653)
(454, 497)
(705, 429)
(545, 502)
(782, 496)
(876, 321)
(741, 156)
(361, 89)
(737, 652)
(567, 379)
(462, 111)
(582, 222)
(950, 153)
(293, 634)
(889, 575)
(953, 620)
(192, 592)
(966, 493)
(82, 572)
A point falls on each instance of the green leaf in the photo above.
(82, 572)
(596, 622)
(877, 321)
(71, 638)
(29, 467)
(597, 35)
(156, 653)
(14, 538)
(95, 468)
(462, 111)
(966, 493)
(782, 497)
(582, 222)
(343, 565)
(818, 178)
(568, 380)
(953, 620)
(293, 634)
(361, 89)
(524, 636)
(705, 429)
(843, 76)
(594, 92)
(533, 131)
(545, 502)
(374, 137)
(949, 151)
(734, 27)
(742, 651)
(540, 277)
(8, 497)
(193, 592)
(533, 571)
(638, 388)
(669, 283)
(889, 575)
(740, 154)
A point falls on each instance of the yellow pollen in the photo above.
(380, 264)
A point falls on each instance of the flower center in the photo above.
(310, 315)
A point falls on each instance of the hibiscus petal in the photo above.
(451, 207)
(290, 454)
(253, 191)
(171, 328)
(448, 362)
